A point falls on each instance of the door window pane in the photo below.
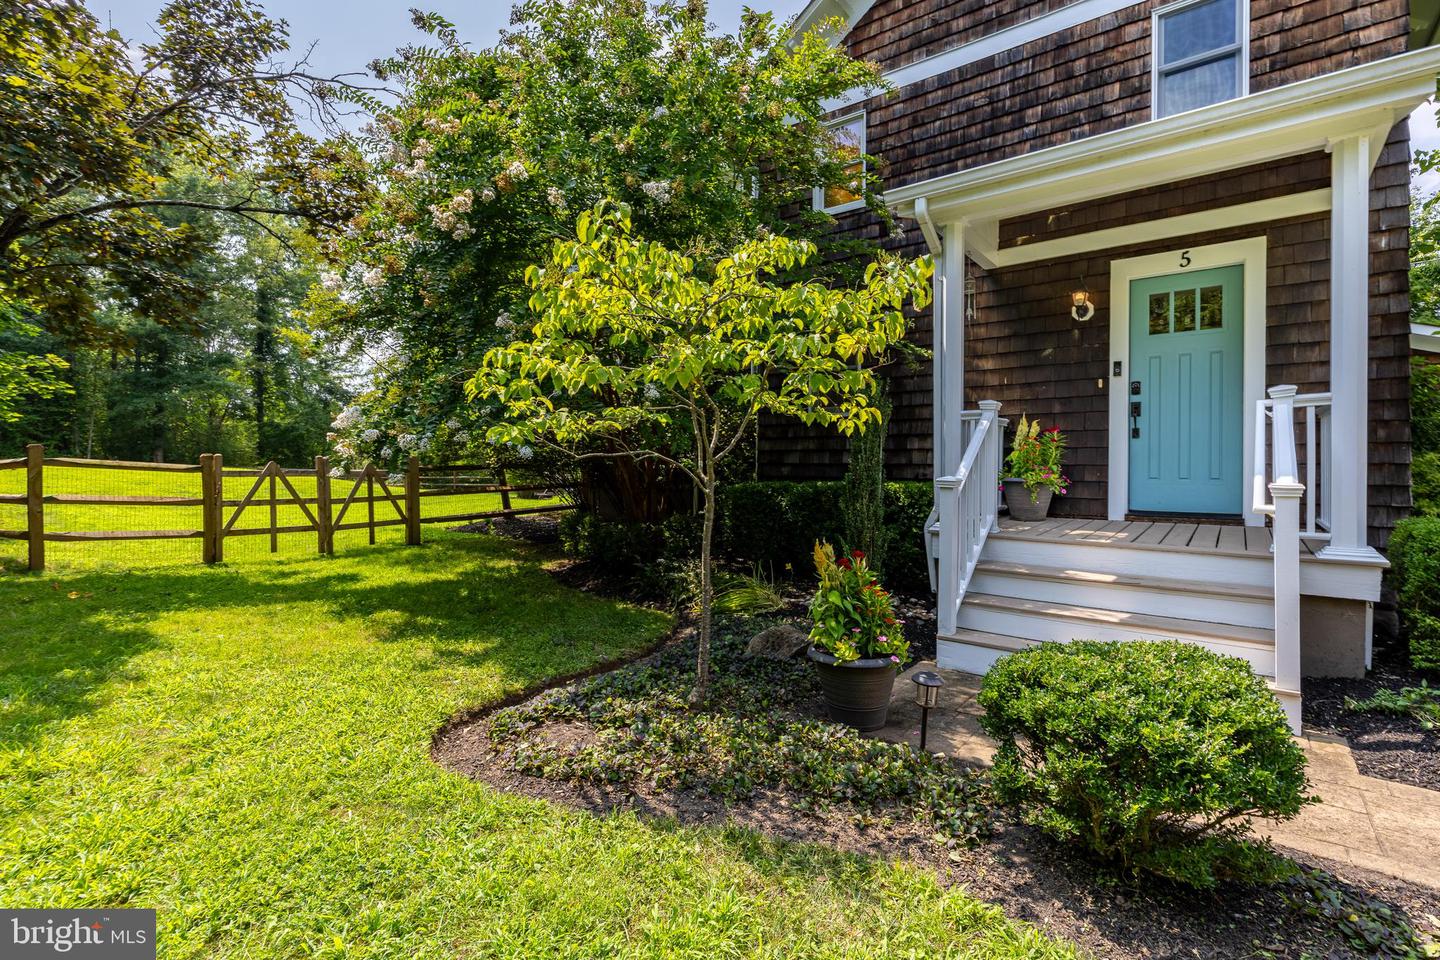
(1159, 313)
(1184, 311)
(1212, 308)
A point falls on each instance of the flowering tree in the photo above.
(489, 155)
(631, 339)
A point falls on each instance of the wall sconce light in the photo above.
(1082, 308)
(927, 694)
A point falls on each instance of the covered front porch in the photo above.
(1220, 501)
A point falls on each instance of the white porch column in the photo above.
(1350, 166)
(950, 353)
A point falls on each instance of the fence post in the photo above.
(504, 488)
(322, 504)
(412, 502)
(209, 512)
(217, 461)
(273, 468)
(35, 503)
(370, 500)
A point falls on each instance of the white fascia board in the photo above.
(1424, 338)
(817, 11)
(1285, 121)
(1027, 31)
(1166, 228)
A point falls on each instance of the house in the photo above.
(1179, 231)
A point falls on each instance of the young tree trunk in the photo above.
(701, 693)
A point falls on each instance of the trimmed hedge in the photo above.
(1153, 755)
(1415, 568)
(777, 522)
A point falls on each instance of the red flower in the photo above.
(844, 563)
(857, 554)
(1053, 430)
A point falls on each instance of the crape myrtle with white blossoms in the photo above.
(629, 339)
(488, 155)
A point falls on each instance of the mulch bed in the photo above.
(1016, 868)
(535, 527)
(1390, 747)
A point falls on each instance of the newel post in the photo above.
(1286, 497)
(35, 503)
(947, 587)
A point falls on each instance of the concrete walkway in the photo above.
(1391, 828)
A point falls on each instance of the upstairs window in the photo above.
(1200, 54)
(849, 133)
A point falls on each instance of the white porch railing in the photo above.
(1277, 491)
(1310, 414)
(967, 505)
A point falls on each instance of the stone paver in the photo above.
(1391, 828)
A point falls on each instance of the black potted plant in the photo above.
(857, 644)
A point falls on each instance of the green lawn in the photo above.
(245, 748)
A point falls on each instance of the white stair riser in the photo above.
(967, 657)
(1210, 608)
(1199, 567)
(1031, 626)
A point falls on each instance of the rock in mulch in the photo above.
(780, 642)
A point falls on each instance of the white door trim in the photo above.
(1249, 253)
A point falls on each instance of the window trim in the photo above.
(818, 194)
(1158, 72)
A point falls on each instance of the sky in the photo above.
(350, 33)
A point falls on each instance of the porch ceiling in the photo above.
(1286, 121)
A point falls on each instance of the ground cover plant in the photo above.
(764, 733)
(247, 749)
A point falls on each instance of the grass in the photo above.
(245, 748)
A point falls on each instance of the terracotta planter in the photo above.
(856, 693)
(1017, 498)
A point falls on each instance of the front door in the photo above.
(1186, 392)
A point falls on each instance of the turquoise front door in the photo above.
(1186, 392)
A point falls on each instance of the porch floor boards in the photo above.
(1211, 538)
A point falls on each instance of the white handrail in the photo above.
(967, 505)
(1315, 409)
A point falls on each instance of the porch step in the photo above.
(1249, 605)
(1025, 619)
(1201, 569)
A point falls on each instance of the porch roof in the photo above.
(1293, 119)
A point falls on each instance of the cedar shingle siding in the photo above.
(1023, 348)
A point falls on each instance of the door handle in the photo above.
(1135, 420)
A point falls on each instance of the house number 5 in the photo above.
(1185, 259)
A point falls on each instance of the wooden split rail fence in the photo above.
(272, 488)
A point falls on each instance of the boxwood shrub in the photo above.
(1415, 570)
(776, 523)
(1153, 755)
